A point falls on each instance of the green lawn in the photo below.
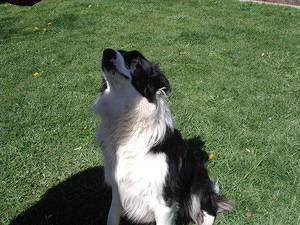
(235, 73)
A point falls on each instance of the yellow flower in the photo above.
(36, 74)
(249, 214)
(90, 6)
(211, 156)
(183, 53)
(50, 23)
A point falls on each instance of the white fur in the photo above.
(194, 208)
(140, 181)
(130, 126)
(216, 187)
(208, 219)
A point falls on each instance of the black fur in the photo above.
(186, 176)
(149, 80)
(146, 77)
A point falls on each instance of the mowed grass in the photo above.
(235, 73)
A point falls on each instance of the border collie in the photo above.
(153, 175)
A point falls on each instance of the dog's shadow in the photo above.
(82, 199)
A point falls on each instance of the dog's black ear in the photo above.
(148, 79)
(158, 83)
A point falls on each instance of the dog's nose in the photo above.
(109, 53)
(107, 60)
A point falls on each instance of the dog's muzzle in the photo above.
(109, 61)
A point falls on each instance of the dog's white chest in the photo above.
(140, 180)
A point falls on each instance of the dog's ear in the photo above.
(158, 83)
(148, 79)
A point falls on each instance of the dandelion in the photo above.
(90, 6)
(41, 29)
(265, 54)
(50, 23)
(183, 53)
(211, 156)
(249, 214)
(36, 74)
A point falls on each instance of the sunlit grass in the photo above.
(235, 74)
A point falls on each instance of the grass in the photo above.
(235, 73)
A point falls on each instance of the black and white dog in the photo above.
(153, 175)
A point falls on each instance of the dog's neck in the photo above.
(131, 118)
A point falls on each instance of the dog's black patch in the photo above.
(181, 165)
(146, 77)
(186, 176)
(148, 81)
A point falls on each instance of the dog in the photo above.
(153, 175)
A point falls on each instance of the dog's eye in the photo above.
(132, 64)
(127, 61)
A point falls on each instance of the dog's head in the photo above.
(122, 68)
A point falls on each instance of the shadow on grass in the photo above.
(11, 33)
(82, 199)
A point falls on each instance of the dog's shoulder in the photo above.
(171, 144)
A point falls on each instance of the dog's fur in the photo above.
(153, 174)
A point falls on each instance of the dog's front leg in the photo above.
(165, 216)
(115, 209)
